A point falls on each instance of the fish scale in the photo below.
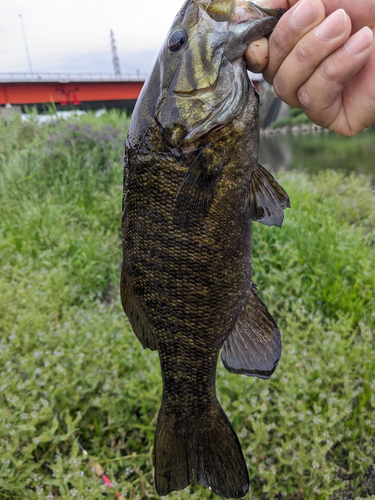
(189, 202)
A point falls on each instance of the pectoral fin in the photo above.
(267, 198)
(254, 346)
(197, 190)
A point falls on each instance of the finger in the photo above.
(361, 92)
(278, 4)
(321, 96)
(361, 12)
(257, 55)
(308, 54)
(361, 15)
(293, 25)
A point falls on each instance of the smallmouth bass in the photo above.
(192, 187)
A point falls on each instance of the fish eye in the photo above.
(177, 40)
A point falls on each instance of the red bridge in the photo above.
(84, 91)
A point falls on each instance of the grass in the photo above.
(66, 346)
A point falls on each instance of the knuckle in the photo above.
(352, 132)
(304, 98)
(302, 53)
(279, 42)
(354, 128)
(278, 87)
(328, 70)
(282, 91)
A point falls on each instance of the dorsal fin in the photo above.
(267, 198)
(254, 345)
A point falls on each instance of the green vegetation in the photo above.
(66, 346)
(296, 117)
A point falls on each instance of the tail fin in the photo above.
(209, 455)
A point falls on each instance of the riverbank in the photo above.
(307, 433)
(313, 152)
(304, 128)
(296, 122)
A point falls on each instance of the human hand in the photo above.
(321, 58)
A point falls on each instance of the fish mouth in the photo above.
(268, 11)
(277, 13)
(198, 92)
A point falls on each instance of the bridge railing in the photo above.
(72, 77)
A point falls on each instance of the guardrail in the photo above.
(72, 77)
(85, 77)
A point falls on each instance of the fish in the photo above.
(192, 188)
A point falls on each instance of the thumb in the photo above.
(257, 55)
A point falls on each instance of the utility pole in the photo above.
(26, 46)
(116, 62)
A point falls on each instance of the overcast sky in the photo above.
(73, 35)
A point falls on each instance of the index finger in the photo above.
(362, 15)
(281, 4)
(293, 26)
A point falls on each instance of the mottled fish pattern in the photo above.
(192, 186)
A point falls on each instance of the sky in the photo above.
(74, 35)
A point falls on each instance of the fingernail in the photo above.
(305, 14)
(359, 42)
(333, 26)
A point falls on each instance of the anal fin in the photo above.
(254, 345)
(267, 198)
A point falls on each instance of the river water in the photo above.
(318, 151)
